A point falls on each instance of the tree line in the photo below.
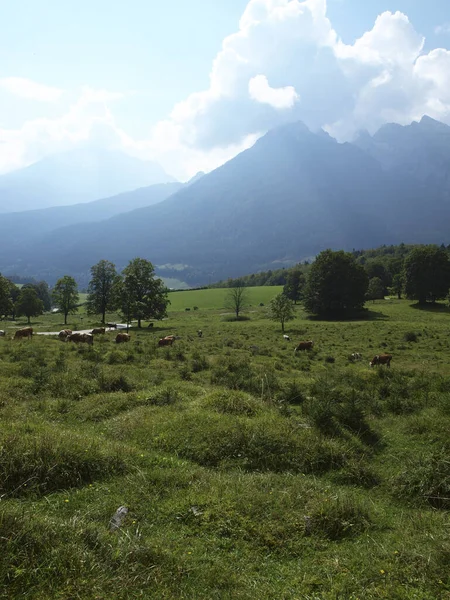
(136, 293)
(337, 284)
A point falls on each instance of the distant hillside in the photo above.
(80, 175)
(18, 230)
(291, 195)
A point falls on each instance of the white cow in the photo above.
(287, 338)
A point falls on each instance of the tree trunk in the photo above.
(139, 322)
(28, 320)
(65, 318)
(399, 295)
(282, 326)
(103, 316)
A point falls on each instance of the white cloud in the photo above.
(284, 63)
(442, 29)
(26, 88)
(260, 90)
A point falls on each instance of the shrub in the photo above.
(410, 336)
(291, 393)
(330, 359)
(164, 396)
(195, 307)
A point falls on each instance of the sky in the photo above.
(191, 84)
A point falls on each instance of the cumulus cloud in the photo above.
(26, 88)
(442, 29)
(260, 90)
(285, 62)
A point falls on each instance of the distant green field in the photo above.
(216, 298)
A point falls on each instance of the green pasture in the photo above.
(249, 471)
(216, 298)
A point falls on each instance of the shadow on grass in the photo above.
(364, 315)
(437, 307)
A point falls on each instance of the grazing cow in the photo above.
(150, 325)
(64, 334)
(111, 325)
(287, 338)
(81, 338)
(25, 332)
(381, 359)
(2, 333)
(98, 330)
(122, 337)
(166, 341)
(199, 333)
(304, 346)
(355, 356)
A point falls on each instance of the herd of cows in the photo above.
(67, 335)
(78, 337)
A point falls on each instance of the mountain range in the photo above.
(288, 197)
(81, 175)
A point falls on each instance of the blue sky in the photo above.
(111, 73)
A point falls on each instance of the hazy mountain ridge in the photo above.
(291, 195)
(80, 175)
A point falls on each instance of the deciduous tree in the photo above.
(236, 298)
(295, 283)
(281, 309)
(29, 304)
(143, 296)
(375, 291)
(427, 274)
(65, 296)
(336, 284)
(103, 289)
(5, 297)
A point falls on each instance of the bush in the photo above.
(410, 336)
(164, 396)
(291, 393)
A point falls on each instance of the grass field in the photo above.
(248, 472)
(216, 298)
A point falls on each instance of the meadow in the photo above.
(248, 471)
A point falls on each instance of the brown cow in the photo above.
(304, 346)
(166, 341)
(81, 338)
(25, 332)
(122, 337)
(98, 330)
(381, 359)
(64, 334)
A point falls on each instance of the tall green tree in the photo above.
(295, 283)
(143, 296)
(336, 284)
(397, 285)
(5, 296)
(375, 291)
(427, 274)
(65, 296)
(43, 292)
(281, 309)
(14, 293)
(29, 304)
(236, 297)
(103, 289)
